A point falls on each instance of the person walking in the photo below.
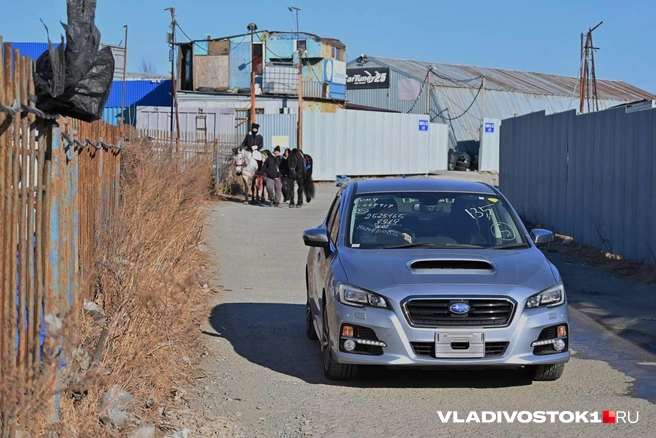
(271, 168)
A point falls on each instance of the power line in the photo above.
(468, 108)
(205, 48)
(419, 95)
(456, 80)
(271, 51)
(188, 37)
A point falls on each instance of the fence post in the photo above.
(217, 166)
(61, 267)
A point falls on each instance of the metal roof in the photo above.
(507, 93)
(331, 41)
(146, 76)
(460, 76)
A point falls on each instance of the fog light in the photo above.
(562, 331)
(347, 331)
(559, 345)
(349, 345)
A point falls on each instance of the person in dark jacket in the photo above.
(254, 142)
(271, 168)
(253, 138)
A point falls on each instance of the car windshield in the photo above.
(430, 219)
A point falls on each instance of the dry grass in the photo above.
(149, 290)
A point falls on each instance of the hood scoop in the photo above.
(451, 266)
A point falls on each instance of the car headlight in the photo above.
(554, 296)
(352, 296)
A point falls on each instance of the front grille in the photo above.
(428, 348)
(435, 312)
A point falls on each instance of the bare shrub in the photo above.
(150, 269)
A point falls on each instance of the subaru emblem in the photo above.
(459, 308)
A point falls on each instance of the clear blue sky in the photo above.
(532, 35)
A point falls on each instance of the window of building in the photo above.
(258, 59)
(338, 54)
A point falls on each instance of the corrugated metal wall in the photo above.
(221, 122)
(191, 120)
(32, 49)
(451, 102)
(500, 105)
(588, 176)
(114, 115)
(397, 98)
(278, 125)
(355, 143)
(141, 92)
(365, 143)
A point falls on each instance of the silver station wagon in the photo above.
(432, 273)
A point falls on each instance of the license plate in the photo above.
(459, 345)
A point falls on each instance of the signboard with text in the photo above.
(367, 78)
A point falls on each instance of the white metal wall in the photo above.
(588, 176)
(159, 118)
(488, 157)
(366, 143)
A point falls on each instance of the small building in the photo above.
(462, 96)
(215, 74)
(224, 65)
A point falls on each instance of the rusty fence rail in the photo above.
(59, 183)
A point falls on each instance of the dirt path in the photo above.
(264, 377)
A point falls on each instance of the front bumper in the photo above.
(411, 346)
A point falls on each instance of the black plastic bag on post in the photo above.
(75, 81)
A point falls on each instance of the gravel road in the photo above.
(264, 377)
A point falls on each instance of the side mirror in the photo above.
(316, 237)
(541, 236)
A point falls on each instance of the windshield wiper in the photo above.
(511, 246)
(431, 245)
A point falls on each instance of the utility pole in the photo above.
(125, 72)
(299, 140)
(428, 91)
(252, 27)
(483, 100)
(582, 74)
(587, 71)
(174, 103)
(595, 100)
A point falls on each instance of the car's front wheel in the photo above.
(331, 368)
(546, 372)
(310, 332)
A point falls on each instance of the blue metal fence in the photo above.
(588, 176)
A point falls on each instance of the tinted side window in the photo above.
(331, 211)
(333, 225)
